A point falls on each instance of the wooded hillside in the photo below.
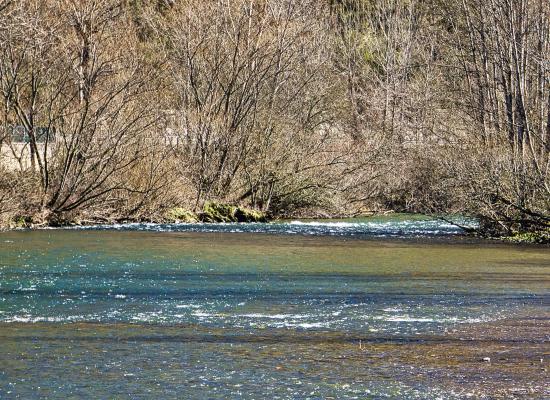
(115, 109)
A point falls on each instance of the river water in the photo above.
(395, 307)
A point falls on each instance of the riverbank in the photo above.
(212, 212)
(215, 213)
(391, 225)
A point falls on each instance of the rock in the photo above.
(247, 215)
(179, 214)
(219, 212)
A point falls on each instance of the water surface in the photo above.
(302, 310)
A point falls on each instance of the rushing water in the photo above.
(287, 310)
(396, 225)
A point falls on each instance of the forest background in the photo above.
(126, 110)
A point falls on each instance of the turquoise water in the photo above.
(242, 311)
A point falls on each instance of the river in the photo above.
(391, 307)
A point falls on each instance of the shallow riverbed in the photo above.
(296, 310)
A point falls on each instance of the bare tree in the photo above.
(504, 49)
(251, 88)
(67, 70)
(116, 107)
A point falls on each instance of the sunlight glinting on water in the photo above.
(194, 309)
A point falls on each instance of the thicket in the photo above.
(318, 107)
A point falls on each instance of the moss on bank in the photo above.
(212, 212)
(536, 237)
(180, 214)
(215, 212)
(220, 212)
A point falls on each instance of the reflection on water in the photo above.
(108, 314)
